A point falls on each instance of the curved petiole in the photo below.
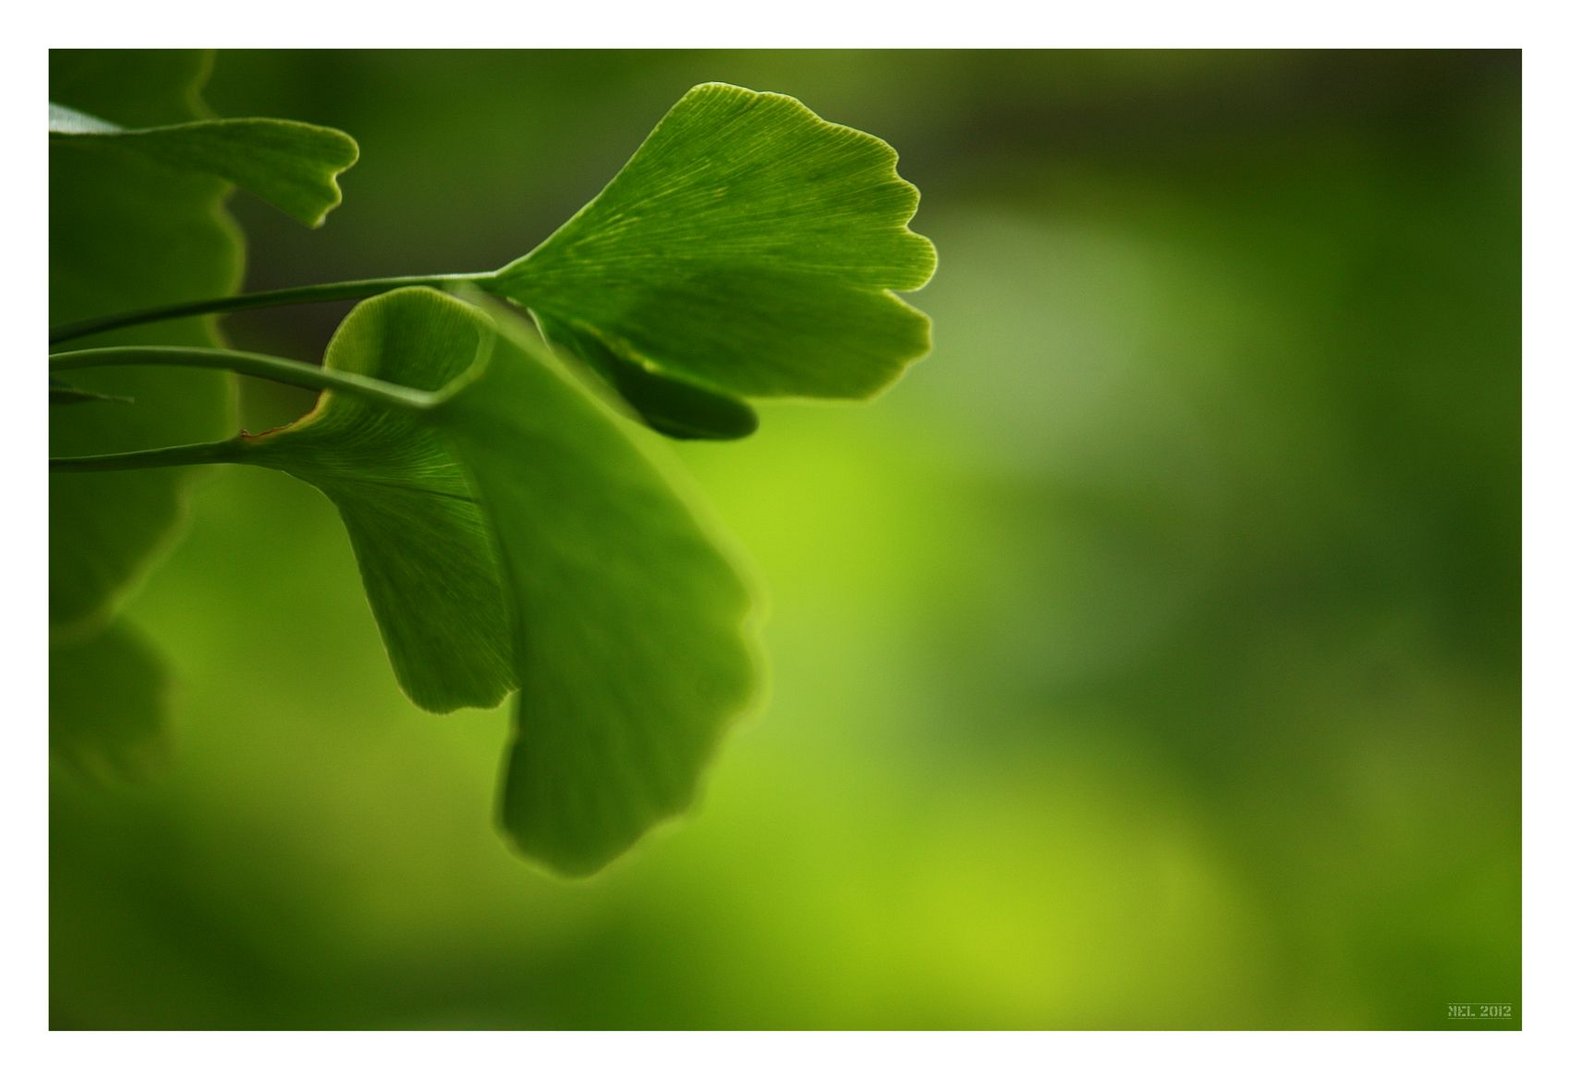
(303, 294)
(259, 365)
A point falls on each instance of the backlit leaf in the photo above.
(748, 248)
(629, 633)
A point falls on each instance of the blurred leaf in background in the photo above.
(128, 232)
(1149, 658)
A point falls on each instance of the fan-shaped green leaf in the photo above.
(749, 248)
(628, 628)
(292, 165)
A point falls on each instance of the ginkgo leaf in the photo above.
(422, 543)
(748, 248)
(107, 704)
(127, 233)
(292, 165)
(628, 628)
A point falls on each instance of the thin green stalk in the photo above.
(259, 365)
(304, 294)
(165, 456)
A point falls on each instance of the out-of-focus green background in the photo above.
(1148, 657)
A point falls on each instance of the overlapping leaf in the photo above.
(671, 407)
(748, 249)
(292, 165)
(628, 633)
(421, 540)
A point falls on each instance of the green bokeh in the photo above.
(1148, 657)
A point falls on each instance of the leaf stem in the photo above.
(259, 365)
(303, 294)
(210, 453)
